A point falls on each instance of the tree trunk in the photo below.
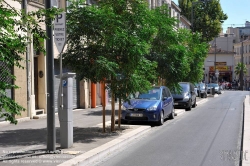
(113, 112)
(103, 106)
(119, 113)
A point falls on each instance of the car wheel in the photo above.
(161, 119)
(172, 114)
(194, 105)
(202, 95)
(189, 106)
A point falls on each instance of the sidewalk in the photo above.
(25, 144)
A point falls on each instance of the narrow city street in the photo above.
(208, 135)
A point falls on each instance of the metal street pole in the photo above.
(241, 70)
(51, 132)
(215, 57)
(28, 66)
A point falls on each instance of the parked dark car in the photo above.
(215, 86)
(186, 98)
(201, 90)
(153, 106)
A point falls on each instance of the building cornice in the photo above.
(175, 6)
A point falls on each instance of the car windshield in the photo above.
(202, 86)
(213, 85)
(184, 87)
(153, 94)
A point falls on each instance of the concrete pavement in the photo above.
(25, 143)
(246, 133)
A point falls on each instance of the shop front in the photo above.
(225, 74)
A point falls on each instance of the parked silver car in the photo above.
(215, 86)
(201, 90)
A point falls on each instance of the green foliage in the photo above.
(179, 54)
(126, 39)
(208, 17)
(186, 8)
(166, 50)
(14, 28)
(239, 67)
(196, 54)
(109, 39)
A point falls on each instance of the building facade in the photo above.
(242, 50)
(223, 61)
(241, 47)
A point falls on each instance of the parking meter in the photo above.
(65, 110)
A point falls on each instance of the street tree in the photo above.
(179, 53)
(14, 28)
(196, 54)
(109, 42)
(167, 50)
(238, 68)
(208, 17)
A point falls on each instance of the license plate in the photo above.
(175, 103)
(136, 115)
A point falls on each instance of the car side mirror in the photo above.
(165, 98)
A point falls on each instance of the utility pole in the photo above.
(241, 69)
(215, 57)
(28, 67)
(51, 132)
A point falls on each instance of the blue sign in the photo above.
(64, 82)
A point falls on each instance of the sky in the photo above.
(238, 12)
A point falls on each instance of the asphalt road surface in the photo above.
(209, 135)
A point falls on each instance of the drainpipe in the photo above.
(24, 7)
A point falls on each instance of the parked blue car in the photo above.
(154, 106)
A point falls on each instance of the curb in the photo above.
(18, 120)
(104, 150)
(202, 101)
(178, 112)
(246, 135)
(215, 95)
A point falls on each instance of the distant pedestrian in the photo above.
(229, 85)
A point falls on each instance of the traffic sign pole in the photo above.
(60, 38)
(51, 131)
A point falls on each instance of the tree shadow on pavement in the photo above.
(28, 137)
(99, 113)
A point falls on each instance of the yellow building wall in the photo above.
(20, 94)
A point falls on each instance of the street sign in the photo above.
(60, 31)
(64, 83)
